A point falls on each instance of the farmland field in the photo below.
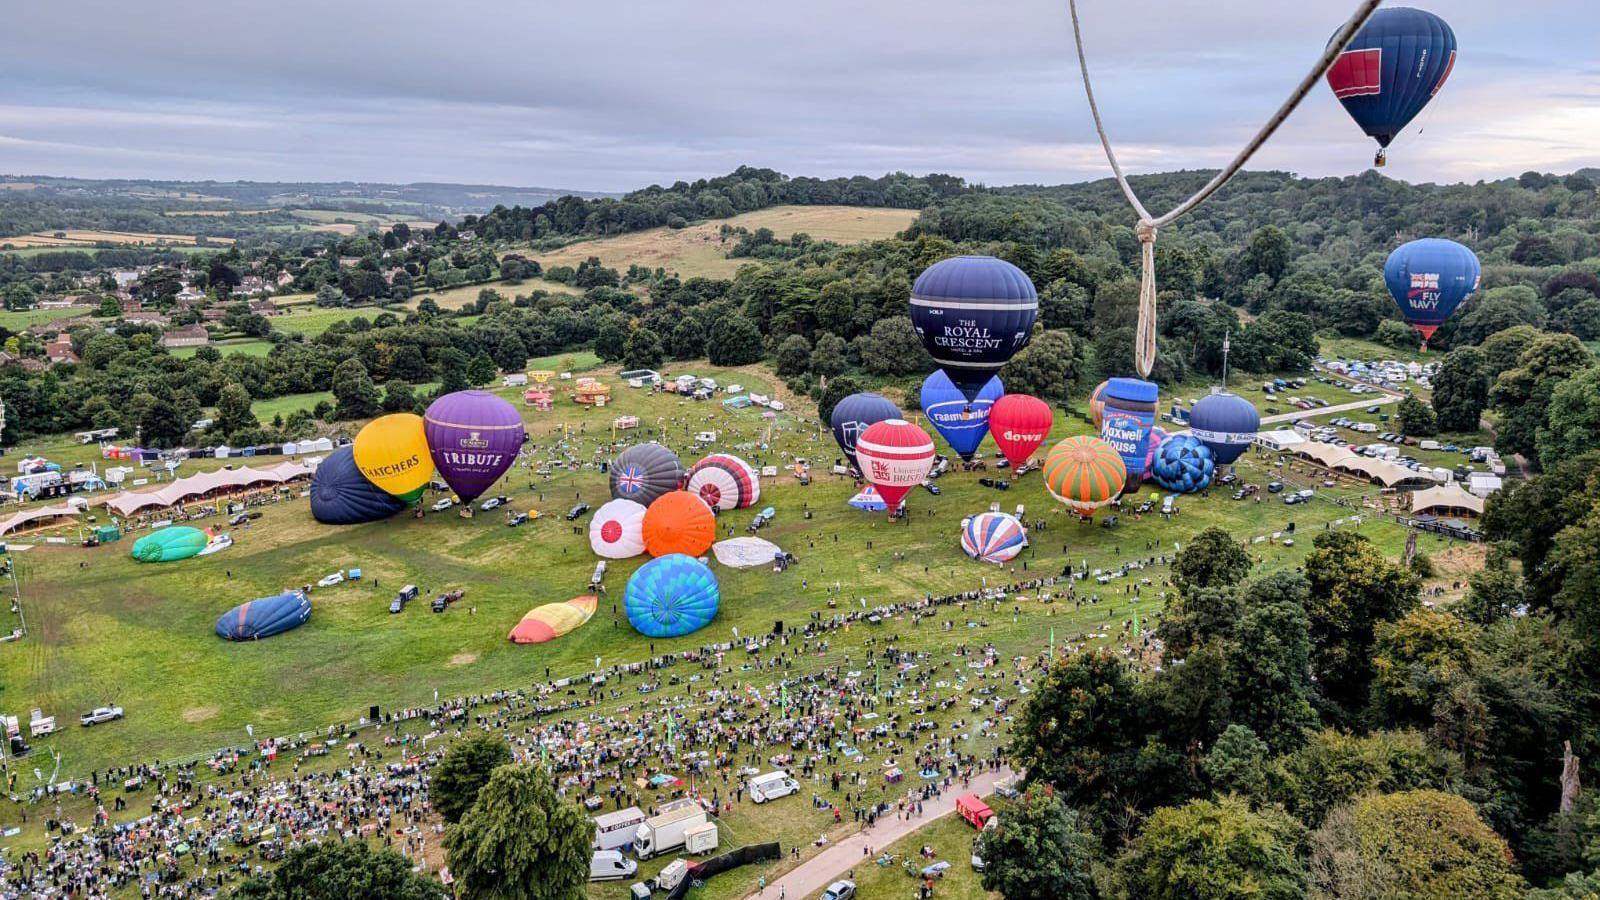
(227, 348)
(88, 239)
(19, 319)
(699, 249)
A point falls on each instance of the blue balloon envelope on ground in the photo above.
(961, 422)
(671, 596)
(1183, 464)
(1226, 423)
(1428, 279)
(973, 313)
(341, 495)
(1392, 68)
(265, 617)
(854, 415)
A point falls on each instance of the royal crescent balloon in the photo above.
(973, 314)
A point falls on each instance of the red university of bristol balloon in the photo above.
(895, 457)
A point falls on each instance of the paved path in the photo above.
(816, 873)
(1380, 399)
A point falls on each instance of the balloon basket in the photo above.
(466, 511)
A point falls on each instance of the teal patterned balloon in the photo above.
(671, 596)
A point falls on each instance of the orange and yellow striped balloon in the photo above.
(1085, 473)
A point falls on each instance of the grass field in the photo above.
(699, 249)
(314, 320)
(249, 347)
(141, 634)
(88, 239)
(266, 409)
(20, 319)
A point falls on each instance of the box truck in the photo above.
(664, 832)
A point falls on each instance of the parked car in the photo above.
(840, 890)
(931, 488)
(331, 580)
(518, 519)
(101, 714)
(443, 504)
(492, 503)
(243, 517)
(577, 511)
(1274, 487)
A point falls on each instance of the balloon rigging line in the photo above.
(1144, 350)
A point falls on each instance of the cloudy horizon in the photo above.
(605, 96)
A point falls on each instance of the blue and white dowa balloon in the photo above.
(1183, 464)
(961, 422)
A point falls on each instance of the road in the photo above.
(1380, 399)
(816, 873)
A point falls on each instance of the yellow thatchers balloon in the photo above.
(392, 453)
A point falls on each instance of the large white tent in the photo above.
(129, 502)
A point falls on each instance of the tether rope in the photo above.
(1144, 348)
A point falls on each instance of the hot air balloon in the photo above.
(644, 472)
(265, 617)
(1085, 473)
(170, 544)
(552, 620)
(341, 495)
(617, 530)
(1157, 435)
(678, 522)
(1428, 279)
(973, 313)
(671, 596)
(1391, 69)
(895, 457)
(1130, 413)
(961, 422)
(392, 452)
(1226, 423)
(473, 437)
(723, 482)
(1183, 464)
(1020, 424)
(1097, 404)
(993, 537)
(854, 415)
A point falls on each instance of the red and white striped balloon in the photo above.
(895, 456)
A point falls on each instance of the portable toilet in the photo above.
(105, 534)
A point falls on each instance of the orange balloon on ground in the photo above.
(679, 522)
(552, 620)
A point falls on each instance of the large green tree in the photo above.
(341, 870)
(1038, 851)
(1461, 389)
(1048, 368)
(1521, 396)
(355, 395)
(1572, 422)
(1353, 588)
(465, 769)
(1213, 850)
(1212, 558)
(520, 841)
(734, 341)
(233, 411)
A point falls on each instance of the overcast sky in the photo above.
(613, 95)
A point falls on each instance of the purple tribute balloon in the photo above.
(473, 437)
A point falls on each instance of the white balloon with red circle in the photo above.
(895, 456)
(617, 529)
(724, 482)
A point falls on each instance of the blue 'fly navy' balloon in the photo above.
(265, 617)
(854, 415)
(1391, 69)
(973, 313)
(1428, 279)
(961, 422)
(1183, 464)
(1226, 423)
(341, 495)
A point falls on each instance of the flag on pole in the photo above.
(1135, 623)
(1052, 642)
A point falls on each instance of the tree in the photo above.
(1396, 334)
(830, 357)
(1461, 389)
(1080, 730)
(893, 347)
(735, 341)
(1353, 588)
(794, 356)
(398, 397)
(1417, 418)
(509, 354)
(1213, 558)
(1267, 253)
(461, 774)
(1213, 850)
(1237, 762)
(1502, 349)
(643, 349)
(233, 411)
(688, 339)
(480, 370)
(1522, 395)
(1572, 423)
(354, 394)
(452, 366)
(1425, 844)
(837, 389)
(1414, 660)
(520, 841)
(1048, 368)
(611, 338)
(1335, 767)
(1037, 852)
(1269, 662)
(341, 870)
(161, 424)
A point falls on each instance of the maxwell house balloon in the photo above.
(895, 457)
(1428, 279)
(392, 452)
(1391, 69)
(973, 313)
(1227, 423)
(854, 415)
(1130, 413)
(473, 437)
(962, 423)
(1020, 424)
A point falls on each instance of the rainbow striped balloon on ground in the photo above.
(1085, 473)
(993, 537)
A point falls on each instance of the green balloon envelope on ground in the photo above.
(170, 544)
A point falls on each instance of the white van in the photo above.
(610, 865)
(771, 786)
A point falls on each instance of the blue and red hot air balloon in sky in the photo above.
(1428, 279)
(1391, 69)
(973, 313)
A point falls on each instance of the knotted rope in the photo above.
(1144, 351)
